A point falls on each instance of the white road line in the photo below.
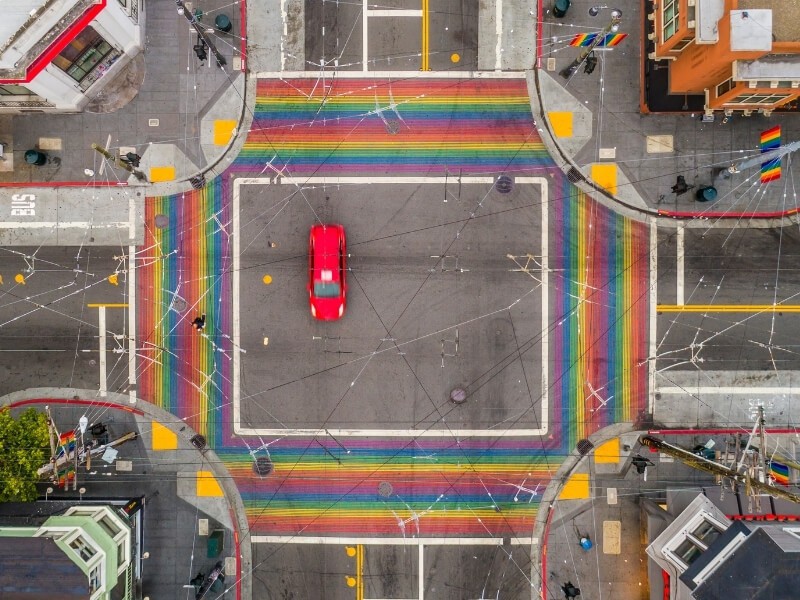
(391, 433)
(393, 75)
(421, 573)
(393, 12)
(364, 38)
(651, 351)
(383, 180)
(237, 360)
(65, 225)
(498, 31)
(101, 327)
(392, 541)
(132, 323)
(680, 257)
(710, 389)
(545, 249)
(285, 36)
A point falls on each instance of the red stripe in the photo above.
(728, 215)
(711, 431)
(86, 402)
(52, 184)
(61, 42)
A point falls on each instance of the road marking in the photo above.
(64, 225)
(426, 42)
(285, 36)
(394, 12)
(394, 75)
(392, 541)
(651, 353)
(680, 257)
(697, 390)
(729, 308)
(132, 323)
(101, 326)
(498, 31)
(392, 433)
(108, 305)
(421, 574)
(364, 38)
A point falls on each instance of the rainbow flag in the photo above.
(583, 40)
(779, 472)
(771, 140)
(66, 475)
(66, 443)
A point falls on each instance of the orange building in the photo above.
(744, 55)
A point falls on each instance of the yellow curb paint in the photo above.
(223, 132)
(207, 485)
(605, 175)
(608, 452)
(455, 57)
(576, 487)
(166, 173)
(561, 122)
(267, 279)
(163, 438)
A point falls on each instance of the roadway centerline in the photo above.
(391, 433)
(728, 308)
(386, 541)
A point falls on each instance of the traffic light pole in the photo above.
(616, 19)
(221, 62)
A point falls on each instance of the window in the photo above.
(108, 526)
(14, 90)
(706, 533)
(688, 551)
(765, 99)
(724, 87)
(83, 54)
(95, 579)
(82, 549)
(687, 546)
(681, 45)
(669, 18)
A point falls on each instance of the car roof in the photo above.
(326, 251)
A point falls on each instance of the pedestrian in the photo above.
(200, 322)
(680, 187)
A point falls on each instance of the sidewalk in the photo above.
(594, 125)
(188, 492)
(178, 115)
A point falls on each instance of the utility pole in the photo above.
(120, 163)
(698, 462)
(757, 160)
(612, 27)
(201, 33)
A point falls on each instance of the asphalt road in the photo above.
(49, 335)
(433, 304)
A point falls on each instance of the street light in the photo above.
(613, 26)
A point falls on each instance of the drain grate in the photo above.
(584, 447)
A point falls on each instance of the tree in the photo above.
(24, 447)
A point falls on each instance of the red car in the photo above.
(327, 286)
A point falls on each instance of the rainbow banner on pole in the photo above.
(610, 40)
(771, 140)
(66, 444)
(779, 472)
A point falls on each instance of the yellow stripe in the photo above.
(425, 36)
(728, 308)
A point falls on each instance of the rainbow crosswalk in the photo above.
(396, 487)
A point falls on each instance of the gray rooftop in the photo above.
(37, 569)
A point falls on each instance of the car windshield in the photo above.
(326, 289)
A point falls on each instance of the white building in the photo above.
(56, 55)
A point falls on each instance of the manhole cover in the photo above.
(161, 221)
(392, 126)
(458, 396)
(584, 446)
(504, 184)
(263, 466)
(198, 441)
(385, 489)
(179, 304)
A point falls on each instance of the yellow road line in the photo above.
(425, 36)
(104, 305)
(360, 572)
(728, 308)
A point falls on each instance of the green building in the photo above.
(83, 553)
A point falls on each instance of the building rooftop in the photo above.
(786, 17)
(37, 569)
(751, 30)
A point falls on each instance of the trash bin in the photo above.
(215, 543)
(560, 8)
(223, 23)
(706, 194)
(34, 157)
